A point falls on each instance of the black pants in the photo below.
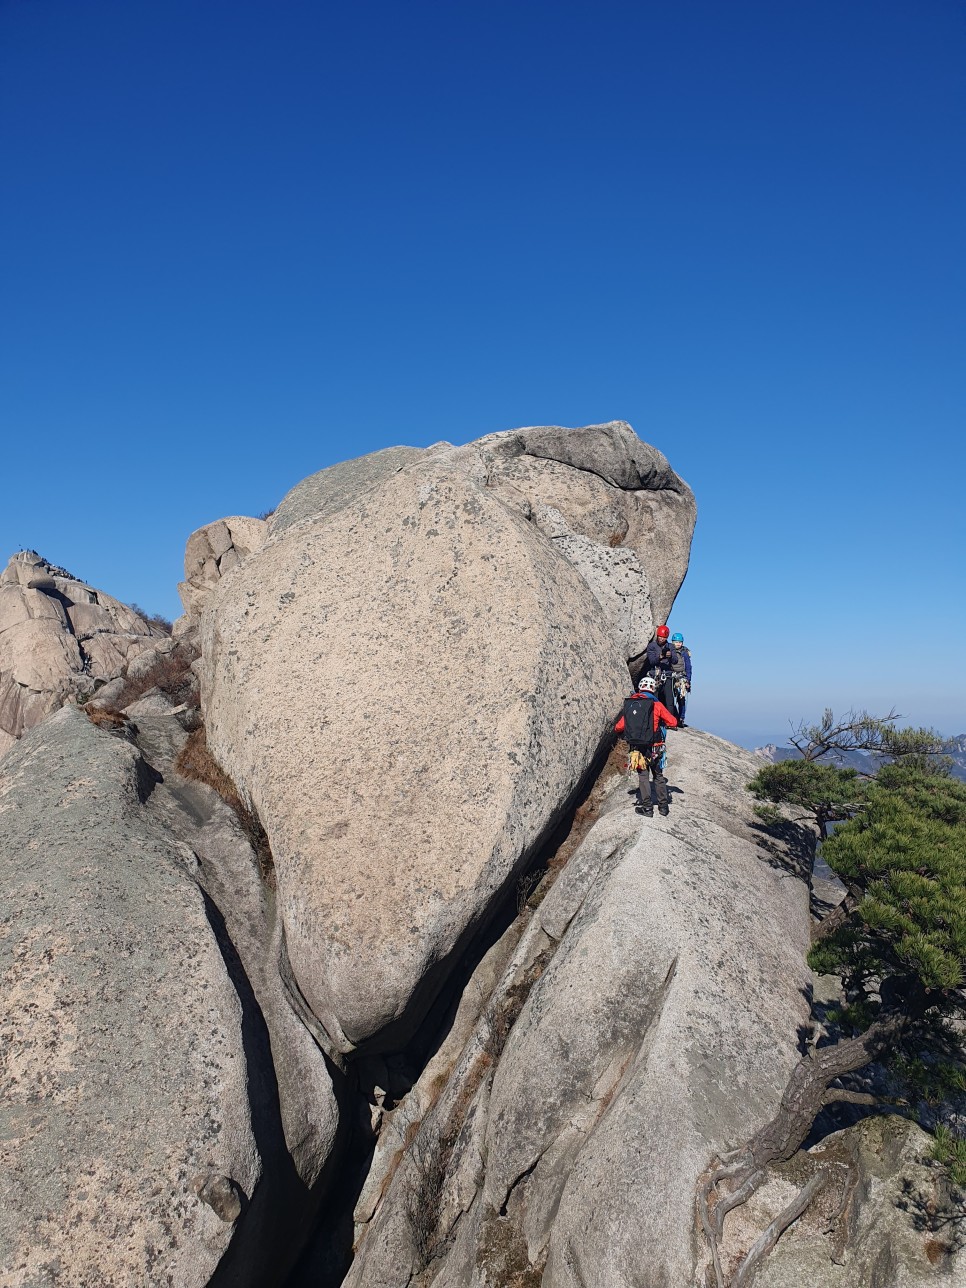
(656, 769)
(665, 689)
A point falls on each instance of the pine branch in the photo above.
(839, 1095)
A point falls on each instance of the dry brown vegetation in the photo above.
(195, 761)
(112, 721)
(430, 1164)
(157, 620)
(497, 1021)
(171, 673)
(585, 816)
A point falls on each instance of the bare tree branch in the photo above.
(839, 1095)
(855, 731)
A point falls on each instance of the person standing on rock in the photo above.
(661, 658)
(643, 723)
(680, 676)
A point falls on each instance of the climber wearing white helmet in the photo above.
(643, 723)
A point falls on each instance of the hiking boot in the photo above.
(646, 810)
(663, 810)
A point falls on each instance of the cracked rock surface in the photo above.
(124, 1074)
(410, 610)
(58, 637)
(665, 983)
(210, 554)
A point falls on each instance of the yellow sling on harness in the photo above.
(638, 762)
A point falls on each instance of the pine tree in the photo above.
(897, 940)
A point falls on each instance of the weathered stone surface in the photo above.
(58, 638)
(40, 655)
(612, 451)
(109, 693)
(610, 503)
(398, 593)
(345, 667)
(887, 1216)
(698, 945)
(124, 1074)
(211, 553)
(230, 876)
(668, 961)
(324, 494)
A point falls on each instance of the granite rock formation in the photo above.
(463, 1018)
(210, 554)
(129, 1147)
(409, 680)
(657, 1027)
(59, 638)
(168, 1116)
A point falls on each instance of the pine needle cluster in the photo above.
(905, 848)
(896, 838)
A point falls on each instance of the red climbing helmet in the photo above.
(662, 632)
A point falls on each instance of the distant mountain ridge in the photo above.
(865, 762)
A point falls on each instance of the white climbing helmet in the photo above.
(647, 684)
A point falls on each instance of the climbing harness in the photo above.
(638, 763)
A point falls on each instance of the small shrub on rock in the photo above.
(157, 620)
(950, 1151)
(112, 721)
(171, 673)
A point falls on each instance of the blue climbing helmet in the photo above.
(677, 638)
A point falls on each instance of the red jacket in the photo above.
(661, 716)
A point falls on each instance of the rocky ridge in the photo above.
(59, 639)
(368, 972)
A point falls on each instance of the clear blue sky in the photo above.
(243, 239)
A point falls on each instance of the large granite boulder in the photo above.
(409, 680)
(610, 503)
(407, 691)
(665, 986)
(58, 637)
(130, 1146)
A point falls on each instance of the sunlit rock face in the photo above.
(211, 553)
(411, 612)
(59, 637)
(654, 998)
(128, 1138)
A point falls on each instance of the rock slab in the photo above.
(666, 985)
(407, 691)
(128, 1149)
(409, 679)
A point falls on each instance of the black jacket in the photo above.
(661, 656)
